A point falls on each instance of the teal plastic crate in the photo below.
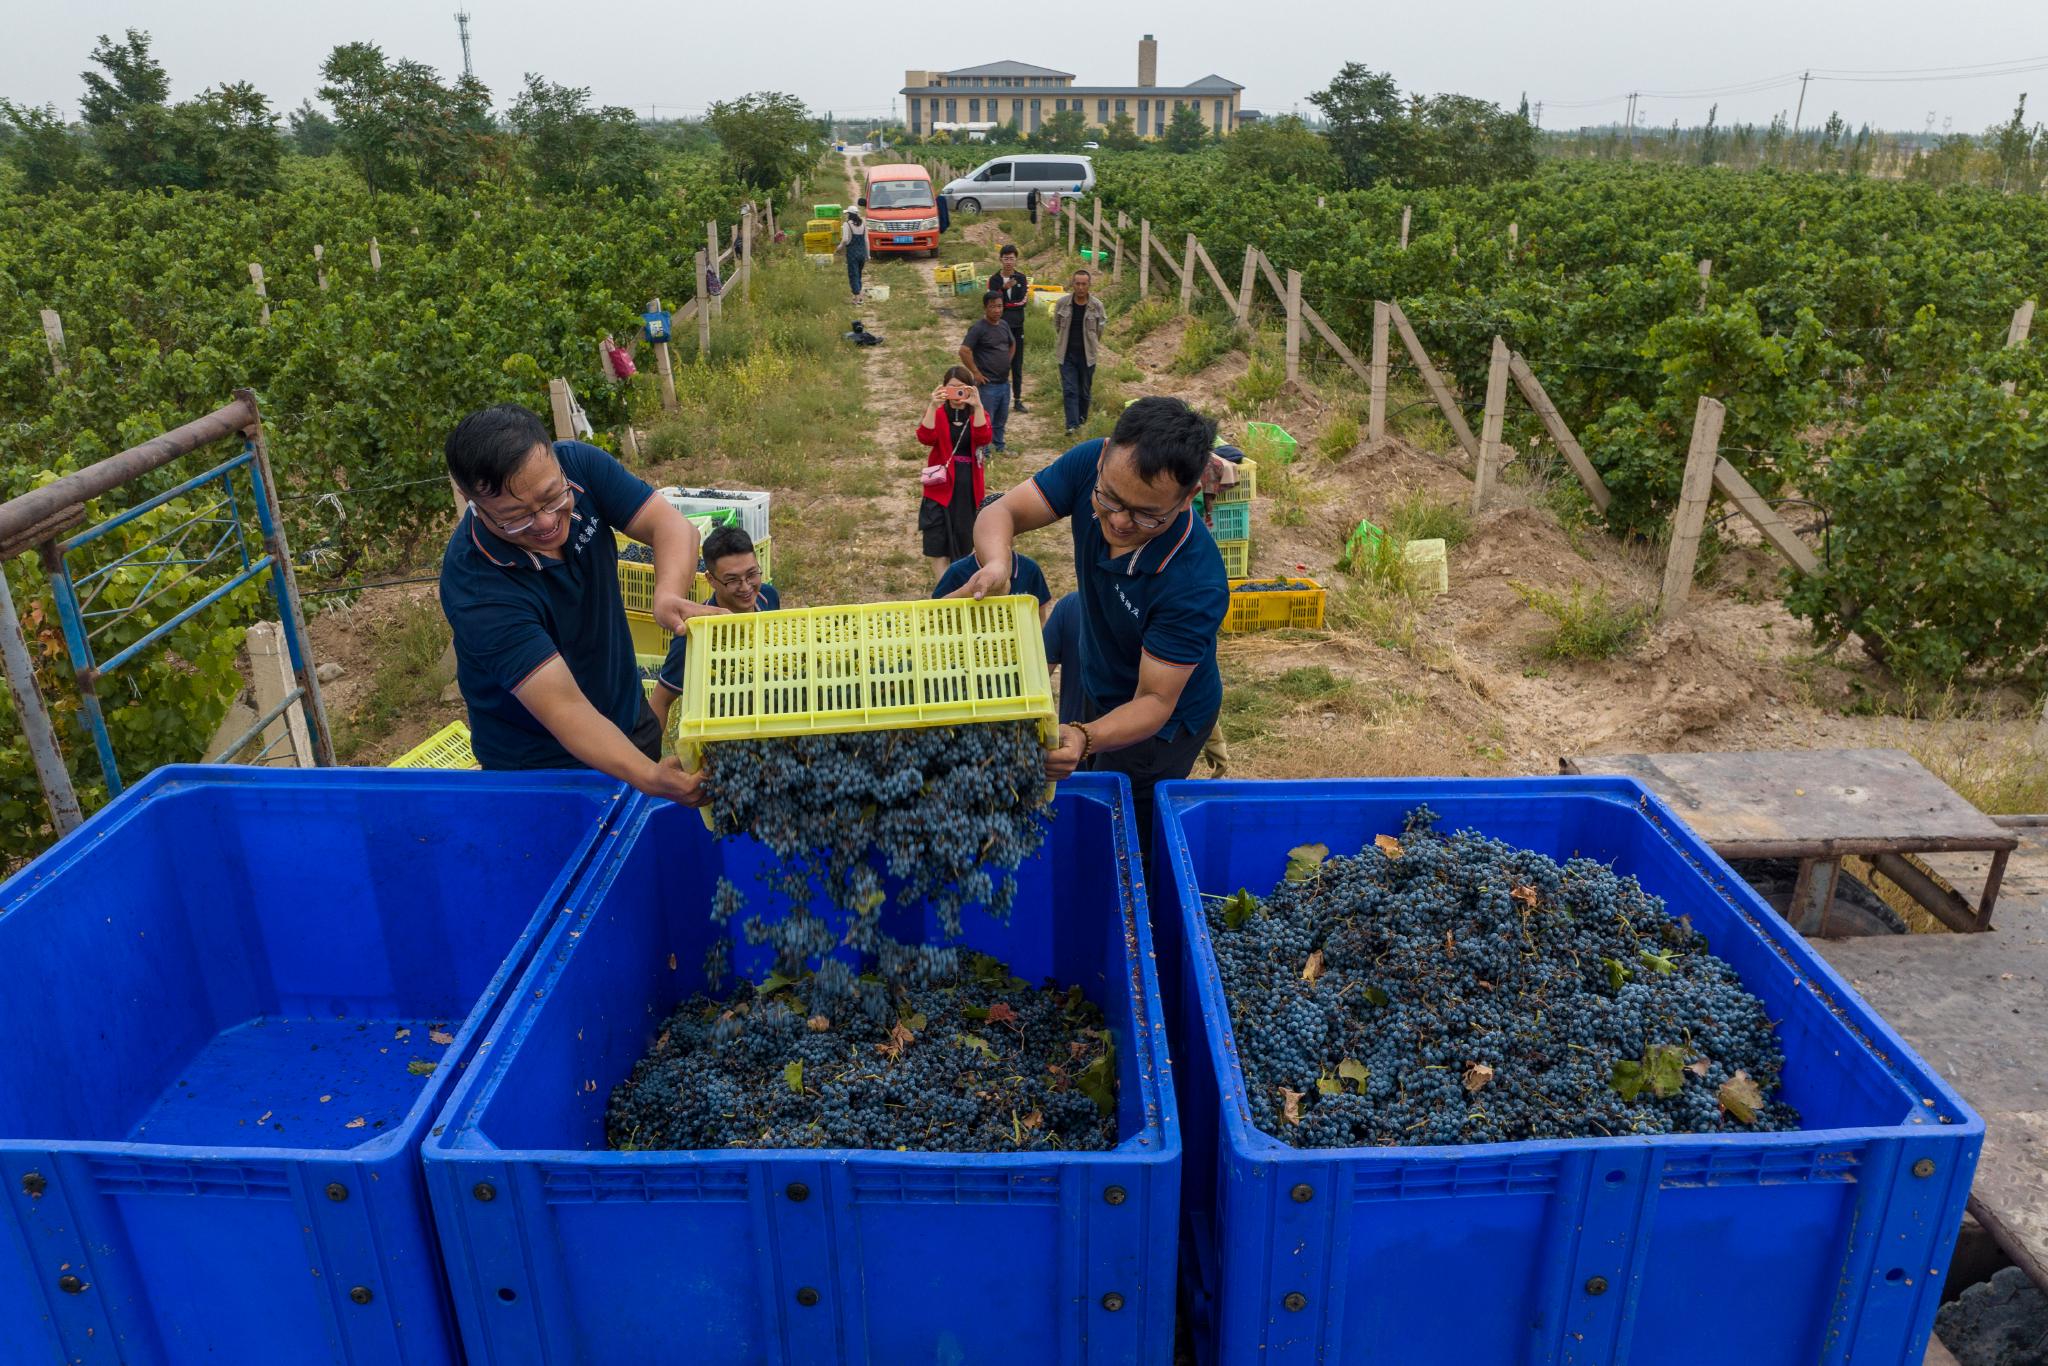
(1231, 521)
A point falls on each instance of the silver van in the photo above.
(1005, 182)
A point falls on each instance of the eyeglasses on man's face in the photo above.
(1110, 507)
(525, 524)
(748, 579)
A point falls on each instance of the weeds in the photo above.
(1419, 517)
(1146, 318)
(1589, 625)
(1339, 438)
(1202, 345)
(404, 684)
(1260, 384)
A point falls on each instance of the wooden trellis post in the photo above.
(1095, 230)
(564, 409)
(1706, 271)
(1490, 429)
(1376, 420)
(1405, 211)
(716, 303)
(1690, 520)
(1293, 325)
(663, 365)
(1144, 256)
(747, 250)
(320, 266)
(703, 308)
(2016, 335)
(53, 337)
(1434, 382)
(1187, 275)
(262, 294)
(1247, 282)
(376, 258)
(1553, 422)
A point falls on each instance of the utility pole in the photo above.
(1632, 96)
(1539, 113)
(462, 27)
(1804, 77)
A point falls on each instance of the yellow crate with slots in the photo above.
(649, 636)
(1237, 558)
(864, 667)
(1247, 486)
(943, 274)
(819, 244)
(447, 747)
(1429, 564)
(1041, 291)
(812, 225)
(636, 581)
(1297, 607)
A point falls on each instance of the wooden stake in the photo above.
(53, 337)
(1376, 420)
(319, 265)
(1116, 254)
(1336, 343)
(663, 365)
(1216, 277)
(1246, 282)
(1405, 210)
(629, 443)
(1706, 270)
(1694, 494)
(1293, 324)
(703, 309)
(1273, 280)
(711, 260)
(1553, 422)
(1490, 428)
(564, 410)
(1187, 275)
(746, 254)
(376, 258)
(1434, 382)
(2016, 335)
(1773, 527)
(1514, 240)
(1144, 256)
(1095, 231)
(262, 294)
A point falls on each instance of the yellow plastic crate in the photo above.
(1429, 564)
(1297, 607)
(636, 581)
(447, 747)
(820, 241)
(1041, 291)
(812, 225)
(1237, 558)
(1247, 486)
(870, 666)
(943, 274)
(649, 636)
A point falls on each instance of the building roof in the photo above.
(1066, 91)
(1212, 81)
(1007, 68)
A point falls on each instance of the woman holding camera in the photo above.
(955, 431)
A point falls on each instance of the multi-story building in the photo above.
(1027, 96)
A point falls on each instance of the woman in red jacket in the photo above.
(956, 430)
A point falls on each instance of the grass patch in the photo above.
(404, 684)
(1261, 383)
(1589, 625)
(1419, 517)
(1123, 372)
(1386, 613)
(1202, 345)
(1339, 438)
(1147, 317)
(1251, 705)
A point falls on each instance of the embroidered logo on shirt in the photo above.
(1129, 606)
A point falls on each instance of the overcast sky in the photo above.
(1576, 56)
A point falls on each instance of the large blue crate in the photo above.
(1828, 1245)
(209, 1129)
(560, 1250)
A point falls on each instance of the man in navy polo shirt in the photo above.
(1151, 590)
(734, 572)
(1026, 578)
(530, 585)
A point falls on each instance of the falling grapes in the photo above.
(1437, 989)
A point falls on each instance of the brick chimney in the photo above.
(1148, 60)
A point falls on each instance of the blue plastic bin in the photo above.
(1828, 1245)
(209, 1126)
(560, 1250)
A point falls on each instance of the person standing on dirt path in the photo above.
(530, 587)
(1016, 288)
(1152, 592)
(734, 571)
(955, 429)
(853, 240)
(1077, 323)
(987, 351)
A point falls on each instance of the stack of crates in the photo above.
(1230, 520)
(967, 278)
(821, 236)
(706, 508)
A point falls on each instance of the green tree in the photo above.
(1064, 131)
(1283, 150)
(2014, 142)
(42, 146)
(1122, 135)
(764, 136)
(227, 139)
(1370, 128)
(313, 133)
(1461, 140)
(1185, 132)
(572, 148)
(125, 111)
(401, 126)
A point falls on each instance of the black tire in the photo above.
(967, 206)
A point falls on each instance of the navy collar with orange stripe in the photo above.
(1167, 542)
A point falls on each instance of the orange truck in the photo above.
(902, 213)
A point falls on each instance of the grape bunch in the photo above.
(1271, 585)
(635, 553)
(1454, 989)
(982, 1063)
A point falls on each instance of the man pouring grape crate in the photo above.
(1151, 588)
(530, 586)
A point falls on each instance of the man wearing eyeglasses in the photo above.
(530, 586)
(735, 574)
(1151, 591)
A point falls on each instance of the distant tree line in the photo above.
(395, 122)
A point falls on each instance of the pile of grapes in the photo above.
(1438, 989)
(985, 1063)
(931, 1048)
(635, 553)
(1271, 585)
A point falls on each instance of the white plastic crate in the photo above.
(751, 505)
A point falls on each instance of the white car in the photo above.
(1091, 146)
(1006, 182)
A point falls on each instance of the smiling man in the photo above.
(1151, 588)
(530, 586)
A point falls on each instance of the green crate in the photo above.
(827, 210)
(1270, 442)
